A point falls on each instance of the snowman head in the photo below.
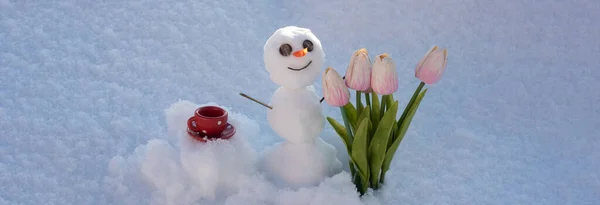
(293, 57)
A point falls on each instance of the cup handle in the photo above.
(191, 123)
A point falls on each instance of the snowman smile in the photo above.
(299, 69)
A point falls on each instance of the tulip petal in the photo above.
(384, 79)
(431, 68)
(358, 73)
(425, 57)
(445, 62)
(434, 60)
(334, 89)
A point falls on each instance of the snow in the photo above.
(297, 115)
(303, 159)
(187, 171)
(514, 120)
(301, 71)
(297, 118)
(298, 165)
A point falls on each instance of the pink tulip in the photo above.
(358, 74)
(334, 89)
(432, 66)
(384, 78)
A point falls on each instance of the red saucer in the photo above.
(226, 134)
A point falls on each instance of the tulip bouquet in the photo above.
(371, 131)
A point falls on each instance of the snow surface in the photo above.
(513, 121)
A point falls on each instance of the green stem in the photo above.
(412, 100)
(352, 170)
(384, 104)
(346, 122)
(359, 105)
(357, 98)
(368, 99)
(358, 184)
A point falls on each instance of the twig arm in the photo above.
(256, 101)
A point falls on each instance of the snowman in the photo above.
(294, 59)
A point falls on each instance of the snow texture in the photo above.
(298, 165)
(189, 172)
(514, 120)
(303, 159)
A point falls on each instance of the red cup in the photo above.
(209, 120)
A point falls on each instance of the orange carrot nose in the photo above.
(301, 53)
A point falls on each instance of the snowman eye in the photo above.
(285, 49)
(308, 45)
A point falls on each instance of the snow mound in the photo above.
(179, 170)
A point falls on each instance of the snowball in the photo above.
(296, 115)
(279, 66)
(301, 165)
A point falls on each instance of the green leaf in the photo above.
(394, 132)
(375, 117)
(366, 115)
(359, 150)
(361, 184)
(386, 103)
(341, 131)
(390, 100)
(378, 145)
(352, 115)
(402, 128)
(370, 136)
(368, 99)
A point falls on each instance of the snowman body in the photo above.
(298, 165)
(296, 115)
(294, 59)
